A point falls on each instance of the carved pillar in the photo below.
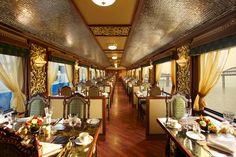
(76, 74)
(38, 67)
(183, 70)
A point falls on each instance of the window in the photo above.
(5, 97)
(61, 80)
(165, 80)
(92, 74)
(5, 94)
(222, 96)
(145, 74)
(83, 74)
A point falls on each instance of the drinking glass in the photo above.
(48, 113)
(228, 116)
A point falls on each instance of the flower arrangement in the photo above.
(34, 123)
(206, 124)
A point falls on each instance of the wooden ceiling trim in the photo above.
(113, 52)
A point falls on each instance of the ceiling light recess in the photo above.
(104, 3)
(114, 57)
(112, 47)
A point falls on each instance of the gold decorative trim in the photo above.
(110, 30)
(183, 72)
(76, 73)
(37, 74)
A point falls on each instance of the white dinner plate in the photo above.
(22, 120)
(195, 136)
(79, 142)
(177, 126)
(93, 121)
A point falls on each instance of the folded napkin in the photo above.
(223, 143)
(50, 148)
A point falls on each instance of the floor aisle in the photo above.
(125, 136)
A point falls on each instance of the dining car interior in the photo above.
(117, 78)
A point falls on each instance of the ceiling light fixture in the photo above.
(114, 57)
(104, 3)
(115, 65)
(112, 47)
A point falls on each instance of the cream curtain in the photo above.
(52, 75)
(158, 72)
(69, 73)
(173, 76)
(211, 67)
(11, 74)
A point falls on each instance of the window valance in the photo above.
(164, 59)
(60, 60)
(226, 42)
(12, 50)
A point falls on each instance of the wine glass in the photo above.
(48, 113)
(228, 116)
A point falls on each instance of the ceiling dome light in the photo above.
(104, 3)
(112, 46)
(114, 57)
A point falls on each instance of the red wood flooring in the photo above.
(125, 136)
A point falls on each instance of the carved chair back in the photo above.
(66, 91)
(11, 145)
(36, 105)
(77, 105)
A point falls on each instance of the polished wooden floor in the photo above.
(125, 136)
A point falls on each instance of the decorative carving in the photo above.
(110, 30)
(76, 73)
(37, 74)
(183, 72)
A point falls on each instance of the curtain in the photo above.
(158, 72)
(173, 76)
(11, 74)
(69, 73)
(52, 75)
(211, 66)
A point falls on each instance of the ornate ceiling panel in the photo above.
(110, 30)
(162, 22)
(56, 22)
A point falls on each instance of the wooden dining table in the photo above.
(64, 134)
(190, 147)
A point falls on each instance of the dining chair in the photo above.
(11, 145)
(66, 91)
(77, 105)
(94, 91)
(155, 91)
(176, 106)
(36, 105)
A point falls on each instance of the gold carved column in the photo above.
(183, 70)
(38, 74)
(76, 74)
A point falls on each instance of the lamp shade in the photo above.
(104, 3)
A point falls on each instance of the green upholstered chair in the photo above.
(66, 91)
(177, 106)
(11, 145)
(36, 105)
(94, 91)
(77, 105)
